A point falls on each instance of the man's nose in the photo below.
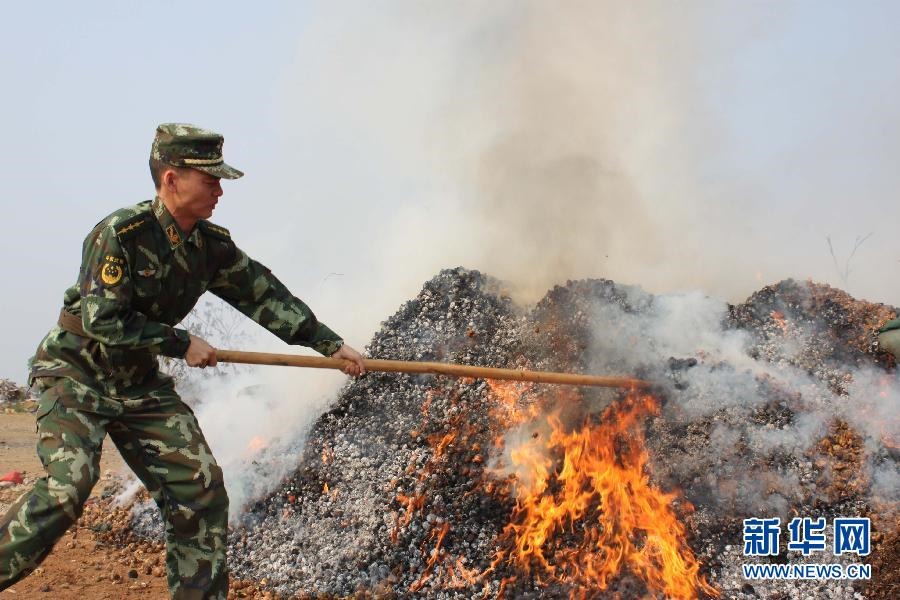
(217, 191)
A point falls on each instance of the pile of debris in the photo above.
(421, 486)
(11, 393)
(14, 398)
(375, 487)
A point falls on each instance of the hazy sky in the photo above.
(697, 145)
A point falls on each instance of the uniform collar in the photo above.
(173, 232)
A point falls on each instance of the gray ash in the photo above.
(336, 527)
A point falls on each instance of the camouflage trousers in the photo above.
(160, 439)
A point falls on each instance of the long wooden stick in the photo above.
(435, 368)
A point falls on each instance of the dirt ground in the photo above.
(17, 447)
(98, 558)
(78, 567)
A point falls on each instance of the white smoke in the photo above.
(748, 459)
(257, 431)
(255, 418)
(650, 143)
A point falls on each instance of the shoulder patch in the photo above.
(131, 226)
(113, 268)
(215, 231)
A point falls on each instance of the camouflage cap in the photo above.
(186, 145)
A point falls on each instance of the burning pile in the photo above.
(416, 486)
(587, 511)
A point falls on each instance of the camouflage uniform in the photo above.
(889, 337)
(97, 373)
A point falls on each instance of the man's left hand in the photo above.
(355, 367)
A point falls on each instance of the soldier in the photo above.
(143, 269)
(889, 337)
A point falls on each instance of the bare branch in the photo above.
(844, 274)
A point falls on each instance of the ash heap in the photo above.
(430, 487)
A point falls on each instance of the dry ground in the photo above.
(96, 559)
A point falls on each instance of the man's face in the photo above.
(196, 193)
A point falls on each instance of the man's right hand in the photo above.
(200, 354)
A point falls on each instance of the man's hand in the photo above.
(355, 367)
(200, 354)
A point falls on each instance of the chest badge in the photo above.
(111, 273)
(147, 272)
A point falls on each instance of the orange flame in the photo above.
(586, 509)
(256, 444)
(435, 555)
(779, 319)
(413, 503)
(446, 572)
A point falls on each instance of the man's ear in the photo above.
(169, 178)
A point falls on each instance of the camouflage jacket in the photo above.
(140, 275)
(890, 326)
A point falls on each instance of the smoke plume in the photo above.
(648, 143)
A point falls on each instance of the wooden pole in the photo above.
(434, 368)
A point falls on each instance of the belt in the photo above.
(71, 323)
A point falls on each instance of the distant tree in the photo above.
(844, 272)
